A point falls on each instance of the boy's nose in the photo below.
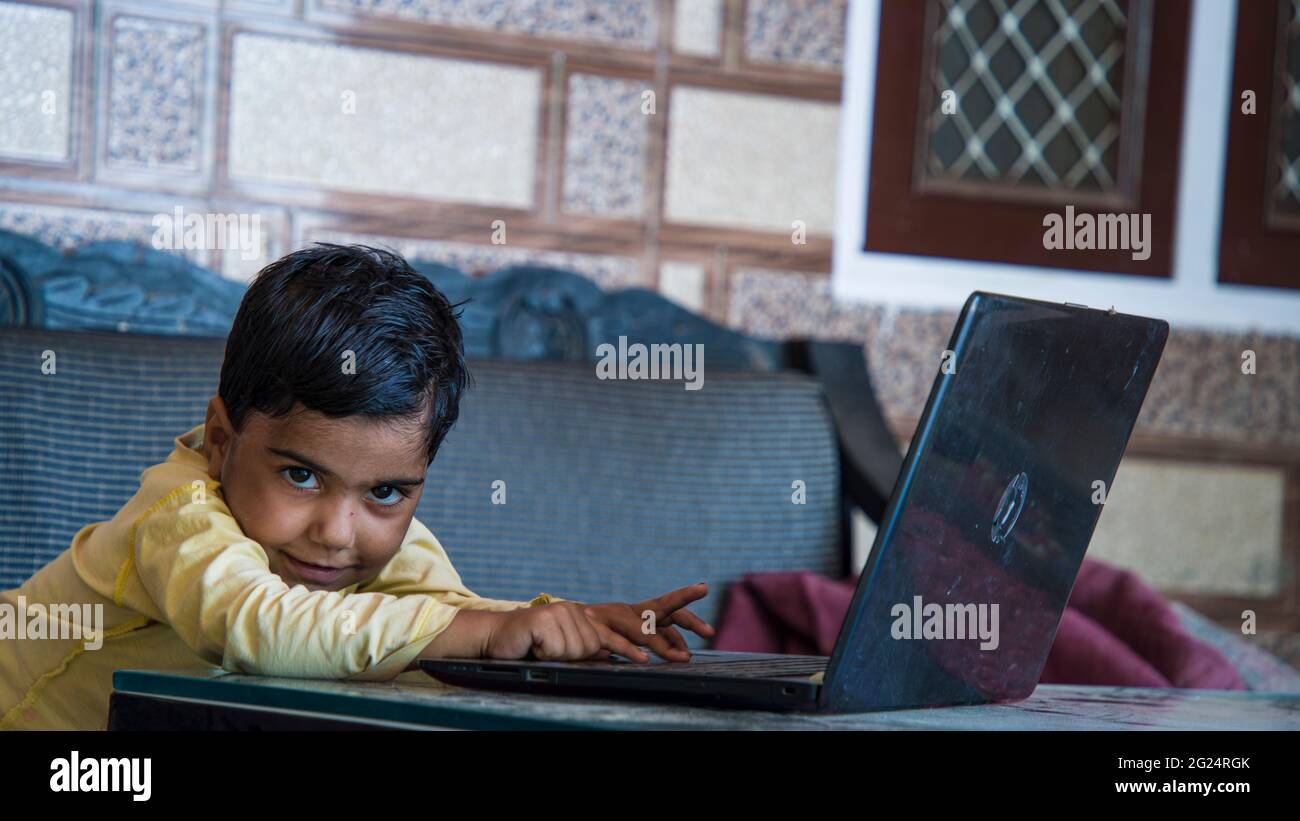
(333, 528)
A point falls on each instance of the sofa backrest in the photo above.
(614, 490)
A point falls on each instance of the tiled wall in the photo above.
(683, 145)
(645, 142)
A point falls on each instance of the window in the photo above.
(991, 114)
(1260, 239)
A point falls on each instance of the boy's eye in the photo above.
(298, 477)
(386, 495)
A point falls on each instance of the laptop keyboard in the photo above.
(735, 668)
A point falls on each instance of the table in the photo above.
(210, 698)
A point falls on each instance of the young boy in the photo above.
(279, 537)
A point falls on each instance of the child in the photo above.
(279, 537)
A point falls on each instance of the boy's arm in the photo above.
(473, 602)
(423, 567)
(214, 587)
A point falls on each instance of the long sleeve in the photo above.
(422, 567)
(214, 587)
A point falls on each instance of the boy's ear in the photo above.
(218, 436)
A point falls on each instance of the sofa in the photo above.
(613, 489)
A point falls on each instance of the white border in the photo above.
(1191, 299)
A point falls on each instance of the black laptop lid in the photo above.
(965, 586)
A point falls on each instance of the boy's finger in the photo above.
(690, 621)
(664, 647)
(676, 599)
(549, 642)
(674, 638)
(584, 641)
(590, 635)
(630, 628)
(622, 620)
(559, 638)
(613, 642)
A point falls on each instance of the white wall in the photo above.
(1191, 298)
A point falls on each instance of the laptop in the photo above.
(962, 593)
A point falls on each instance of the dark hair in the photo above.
(306, 310)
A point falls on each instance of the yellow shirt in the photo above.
(181, 587)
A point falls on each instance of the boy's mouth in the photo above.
(313, 572)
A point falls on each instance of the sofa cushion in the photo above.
(74, 442)
(618, 490)
(614, 490)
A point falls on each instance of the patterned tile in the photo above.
(1199, 390)
(68, 228)
(609, 271)
(35, 82)
(625, 23)
(697, 27)
(787, 304)
(807, 33)
(903, 350)
(604, 147)
(753, 161)
(454, 130)
(155, 100)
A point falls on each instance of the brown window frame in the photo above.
(1254, 247)
(904, 219)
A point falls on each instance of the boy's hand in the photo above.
(629, 625)
(569, 631)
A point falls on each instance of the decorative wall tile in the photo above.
(68, 228)
(609, 271)
(1198, 391)
(750, 160)
(807, 33)
(35, 82)
(382, 122)
(697, 27)
(625, 23)
(1194, 527)
(683, 283)
(155, 111)
(604, 147)
(787, 304)
(903, 350)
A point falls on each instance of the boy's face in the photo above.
(329, 500)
